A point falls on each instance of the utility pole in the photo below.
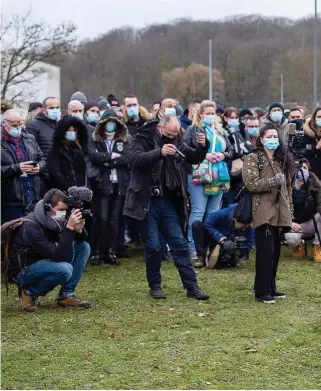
(315, 57)
(210, 73)
(282, 92)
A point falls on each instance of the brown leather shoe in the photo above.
(73, 302)
(28, 303)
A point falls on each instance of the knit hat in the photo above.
(89, 105)
(34, 105)
(79, 96)
(113, 101)
(276, 104)
(220, 108)
(244, 112)
(108, 113)
(102, 102)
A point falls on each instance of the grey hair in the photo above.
(168, 118)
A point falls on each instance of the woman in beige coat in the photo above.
(263, 175)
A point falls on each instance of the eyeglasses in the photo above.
(14, 124)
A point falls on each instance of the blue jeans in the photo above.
(201, 206)
(43, 276)
(162, 217)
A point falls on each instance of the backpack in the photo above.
(243, 210)
(7, 230)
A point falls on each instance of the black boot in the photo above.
(111, 258)
(95, 259)
(197, 293)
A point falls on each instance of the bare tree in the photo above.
(24, 44)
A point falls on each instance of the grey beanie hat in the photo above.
(79, 96)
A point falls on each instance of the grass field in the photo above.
(128, 340)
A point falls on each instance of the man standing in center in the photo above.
(134, 115)
(158, 185)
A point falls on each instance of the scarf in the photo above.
(12, 140)
(168, 169)
(237, 140)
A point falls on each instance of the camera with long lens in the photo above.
(80, 198)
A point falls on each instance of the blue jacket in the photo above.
(218, 225)
(185, 122)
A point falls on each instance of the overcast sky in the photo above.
(95, 17)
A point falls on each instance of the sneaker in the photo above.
(28, 303)
(111, 259)
(200, 262)
(266, 299)
(73, 302)
(192, 255)
(278, 295)
(95, 260)
(197, 294)
(316, 253)
(157, 293)
(297, 251)
(213, 257)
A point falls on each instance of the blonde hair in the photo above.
(197, 117)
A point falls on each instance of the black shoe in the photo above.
(278, 295)
(157, 293)
(197, 294)
(95, 259)
(266, 299)
(111, 259)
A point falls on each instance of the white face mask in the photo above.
(60, 215)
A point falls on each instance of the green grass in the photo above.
(130, 341)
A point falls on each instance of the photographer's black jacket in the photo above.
(313, 154)
(40, 237)
(144, 158)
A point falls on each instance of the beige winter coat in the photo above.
(261, 182)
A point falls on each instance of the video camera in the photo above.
(77, 198)
(237, 252)
(296, 142)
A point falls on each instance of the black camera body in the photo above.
(73, 203)
(296, 143)
(179, 156)
(240, 252)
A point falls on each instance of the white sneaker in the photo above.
(193, 255)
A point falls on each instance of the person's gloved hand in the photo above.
(228, 245)
(279, 179)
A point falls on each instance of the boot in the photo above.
(317, 253)
(200, 262)
(73, 302)
(95, 259)
(28, 302)
(111, 258)
(197, 293)
(297, 251)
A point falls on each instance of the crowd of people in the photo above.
(167, 180)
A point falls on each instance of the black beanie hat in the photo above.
(244, 112)
(34, 105)
(113, 101)
(276, 104)
(89, 105)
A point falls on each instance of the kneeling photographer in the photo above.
(306, 198)
(47, 250)
(228, 240)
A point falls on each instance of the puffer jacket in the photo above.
(11, 186)
(261, 182)
(100, 163)
(43, 129)
(66, 161)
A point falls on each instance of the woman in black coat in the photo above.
(66, 160)
(109, 174)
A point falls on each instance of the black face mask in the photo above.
(167, 140)
(297, 122)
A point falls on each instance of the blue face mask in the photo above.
(15, 132)
(54, 114)
(305, 175)
(253, 132)
(70, 135)
(271, 143)
(78, 115)
(170, 111)
(132, 112)
(208, 120)
(92, 118)
(233, 123)
(276, 116)
(318, 122)
(110, 127)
